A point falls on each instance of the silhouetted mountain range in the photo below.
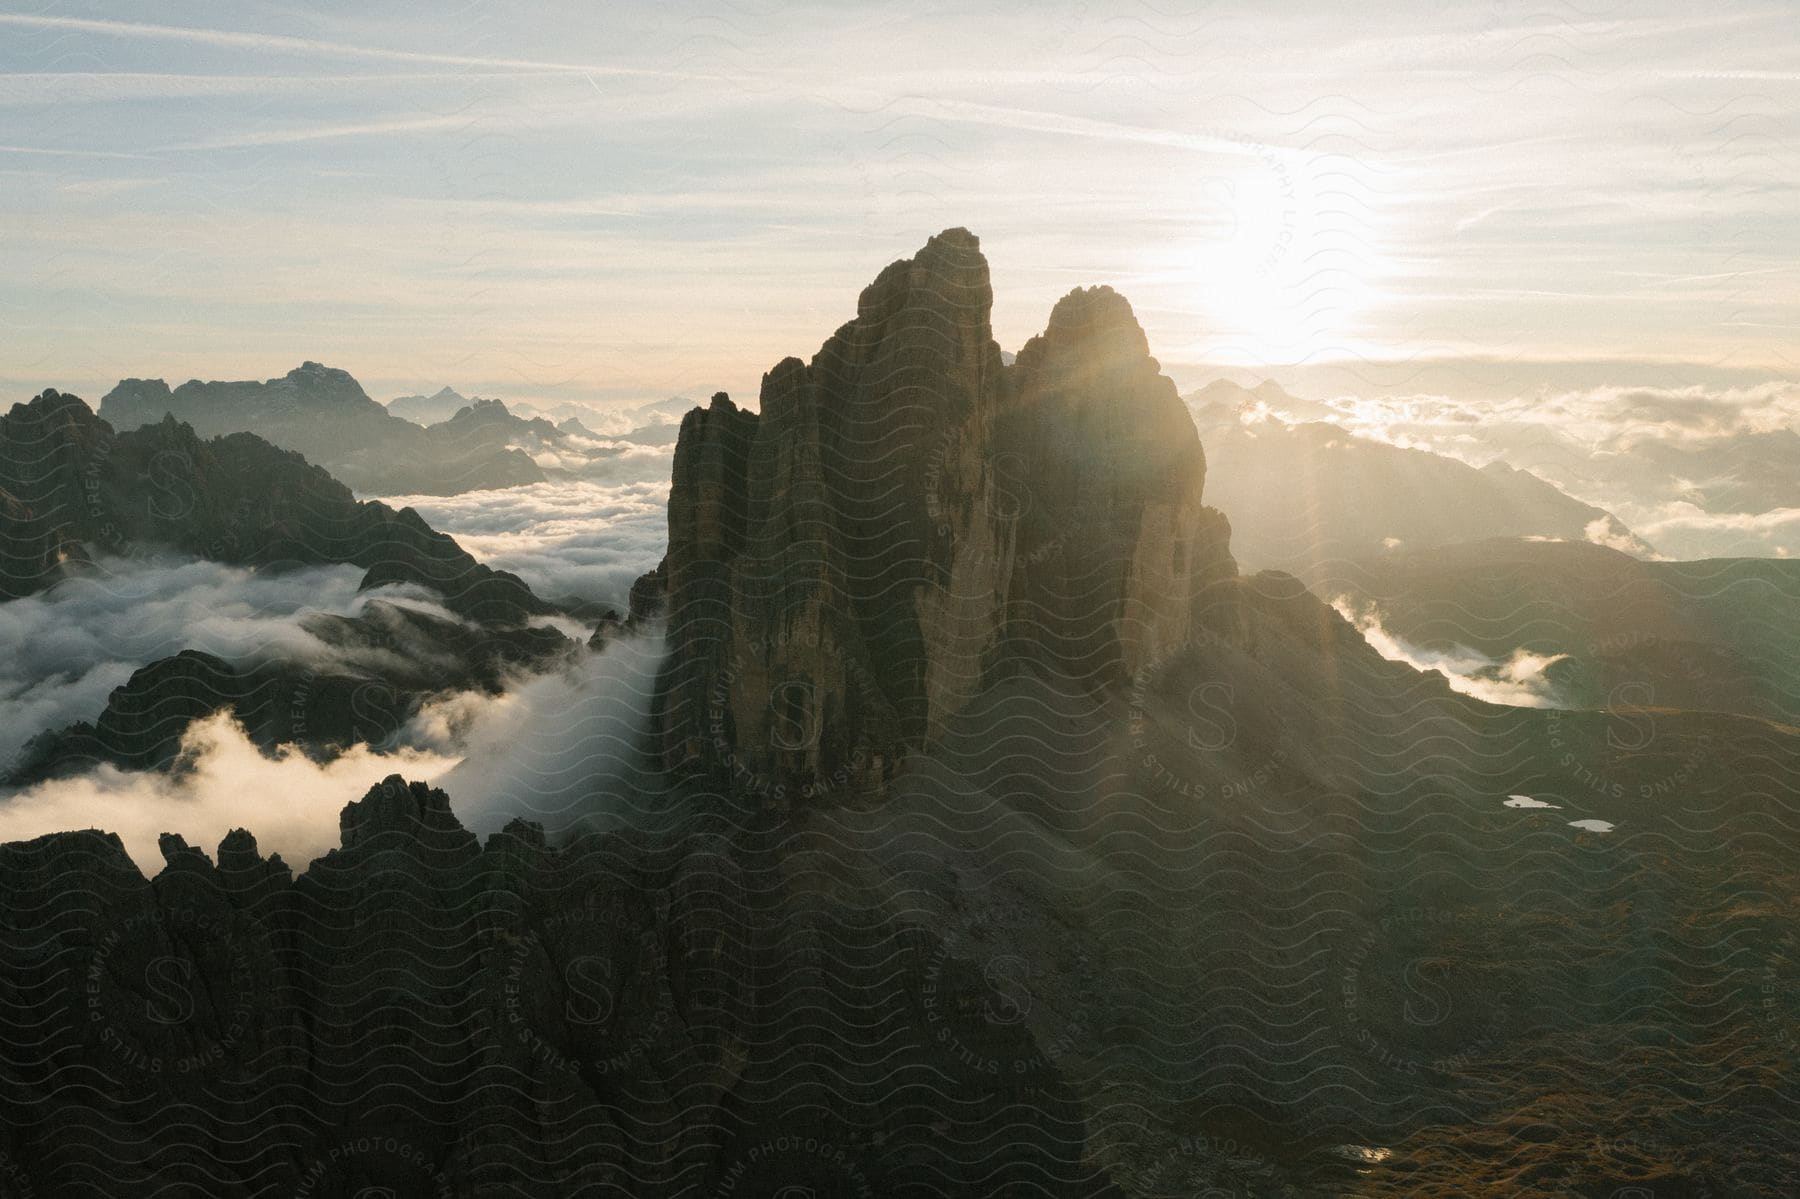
(995, 835)
(325, 415)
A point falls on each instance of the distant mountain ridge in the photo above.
(1304, 495)
(325, 414)
(441, 405)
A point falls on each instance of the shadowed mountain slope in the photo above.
(1715, 635)
(1307, 496)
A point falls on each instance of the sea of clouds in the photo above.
(582, 539)
(558, 747)
(70, 646)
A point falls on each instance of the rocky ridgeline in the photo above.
(907, 519)
(422, 1015)
(323, 413)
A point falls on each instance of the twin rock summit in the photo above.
(909, 519)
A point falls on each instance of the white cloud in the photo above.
(68, 647)
(1517, 681)
(1604, 532)
(1685, 531)
(288, 801)
(283, 44)
(557, 748)
(583, 539)
(560, 748)
(1651, 456)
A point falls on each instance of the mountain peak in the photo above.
(948, 273)
(905, 520)
(1091, 329)
(316, 377)
(413, 810)
(52, 403)
(1086, 311)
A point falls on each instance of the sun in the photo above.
(1288, 263)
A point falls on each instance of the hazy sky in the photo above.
(600, 199)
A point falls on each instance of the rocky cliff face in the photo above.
(907, 516)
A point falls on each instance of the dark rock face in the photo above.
(1119, 542)
(51, 452)
(646, 601)
(906, 517)
(324, 414)
(418, 1013)
(33, 550)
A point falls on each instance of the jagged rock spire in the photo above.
(907, 516)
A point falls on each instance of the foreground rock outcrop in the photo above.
(907, 518)
(422, 1015)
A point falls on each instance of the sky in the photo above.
(629, 201)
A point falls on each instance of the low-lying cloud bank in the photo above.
(288, 801)
(565, 538)
(553, 747)
(561, 748)
(1517, 681)
(557, 747)
(68, 647)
